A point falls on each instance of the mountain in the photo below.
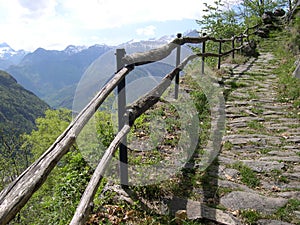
(9, 56)
(55, 75)
(49, 73)
(19, 107)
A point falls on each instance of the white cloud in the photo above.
(146, 31)
(29, 24)
(113, 13)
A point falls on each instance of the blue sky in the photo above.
(54, 24)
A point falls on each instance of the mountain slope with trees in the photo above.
(19, 107)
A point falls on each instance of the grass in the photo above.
(288, 86)
(256, 125)
(278, 177)
(227, 145)
(257, 110)
(248, 176)
(180, 184)
(237, 84)
(250, 216)
(286, 213)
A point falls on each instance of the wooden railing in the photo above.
(16, 195)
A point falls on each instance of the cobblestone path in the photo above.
(259, 164)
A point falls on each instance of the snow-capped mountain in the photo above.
(72, 49)
(9, 56)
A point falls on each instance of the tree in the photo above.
(259, 7)
(56, 201)
(219, 22)
(13, 158)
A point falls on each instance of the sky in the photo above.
(55, 24)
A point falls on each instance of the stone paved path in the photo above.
(259, 164)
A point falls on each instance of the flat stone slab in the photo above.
(272, 222)
(251, 138)
(290, 194)
(281, 158)
(263, 166)
(234, 186)
(239, 200)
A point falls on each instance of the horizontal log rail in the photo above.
(16, 195)
(164, 51)
(133, 112)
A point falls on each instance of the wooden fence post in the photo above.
(120, 53)
(242, 43)
(203, 52)
(179, 35)
(233, 38)
(220, 53)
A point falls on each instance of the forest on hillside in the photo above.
(56, 201)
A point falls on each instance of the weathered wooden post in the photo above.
(220, 53)
(242, 43)
(233, 38)
(248, 35)
(179, 35)
(120, 53)
(203, 52)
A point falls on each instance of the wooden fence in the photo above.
(16, 195)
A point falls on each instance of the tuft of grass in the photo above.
(250, 216)
(227, 145)
(286, 213)
(248, 176)
(255, 125)
(236, 84)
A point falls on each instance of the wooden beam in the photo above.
(134, 110)
(16, 195)
(83, 209)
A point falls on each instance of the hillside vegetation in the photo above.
(19, 107)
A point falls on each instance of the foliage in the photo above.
(294, 37)
(288, 86)
(286, 212)
(13, 158)
(220, 23)
(250, 216)
(18, 110)
(248, 176)
(48, 129)
(258, 7)
(56, 201)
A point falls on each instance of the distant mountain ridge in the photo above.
(9, 56)
(48, 72)
(54, 75)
